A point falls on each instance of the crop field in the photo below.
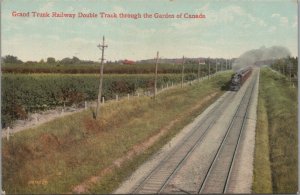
(23, 93)
(109, 68)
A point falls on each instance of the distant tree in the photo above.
(75, 60)
(11, 59)
(42, 61)
(66, 61)
(51, 60)
(87, 62)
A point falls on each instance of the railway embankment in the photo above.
(275, 165)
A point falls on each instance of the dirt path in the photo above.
(136, 150)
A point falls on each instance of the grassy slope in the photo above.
(58, 155)
(262, 181)
(278, 115)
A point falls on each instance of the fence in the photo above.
(37, 118)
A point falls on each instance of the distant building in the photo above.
(130, 62)
(201, 61)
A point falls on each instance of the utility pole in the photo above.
(156, 67)
(221, 65)
(182, 72)
(208, 68)
(199, 70)
(290, 71)
(101, 47)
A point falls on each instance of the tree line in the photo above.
(10, 59)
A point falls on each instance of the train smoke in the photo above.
(250, 57)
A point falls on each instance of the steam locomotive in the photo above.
(238, 79)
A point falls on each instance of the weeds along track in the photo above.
(216, 176)
(163, 172)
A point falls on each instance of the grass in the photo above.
(57, 156)
(262, 182)
(278, 116)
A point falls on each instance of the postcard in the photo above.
(147, 97)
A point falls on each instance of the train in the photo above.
(238, 79)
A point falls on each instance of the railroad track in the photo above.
(216, 176)
(156, 181)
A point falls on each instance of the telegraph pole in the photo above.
(199, 70)
(208, 68)
(101, 47)
(182, 72)
(156, 67)
(290, 72)
(226, 65)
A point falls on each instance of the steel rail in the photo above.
(224, 138)
(238, 142)
(174, 150)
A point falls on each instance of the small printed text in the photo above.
(108, 15)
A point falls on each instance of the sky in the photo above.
(230, 28)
